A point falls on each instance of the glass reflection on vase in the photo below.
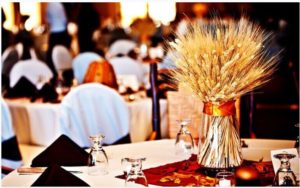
(284, 176)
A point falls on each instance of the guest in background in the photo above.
(57, 20)
(88, 22)
(26, 39)
(7, 36)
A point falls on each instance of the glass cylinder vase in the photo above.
(219, 141)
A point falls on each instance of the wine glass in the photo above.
(284, 176)
(184, 144)
(136, 176)
(97, 161)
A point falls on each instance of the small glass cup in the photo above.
(136, 176)
(125, 166)
(97, 162)
(225, 179)
(184, 144)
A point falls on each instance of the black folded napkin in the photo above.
(10, 149)
(23, 88)
(63, 152)
(54, 175)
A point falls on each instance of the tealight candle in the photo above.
(224, 183)
(225, 179)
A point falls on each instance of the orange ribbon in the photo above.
(223, 109)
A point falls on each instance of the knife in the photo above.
(37, 170)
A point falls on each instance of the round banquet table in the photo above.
(38, 123)
(157, 153)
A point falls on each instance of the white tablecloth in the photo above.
(157, 153)
(38, 123)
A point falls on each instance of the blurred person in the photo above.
(57, 20)
(117, 34)
(88, 21)
(7, 36)
(26, 39)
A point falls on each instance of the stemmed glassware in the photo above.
(135, 176)
(97, 162)
(125, 166)
(285, 176)
(184, 144)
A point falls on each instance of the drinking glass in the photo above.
(285, 176)
(125, 166)
(136, 176)
(225, 179)
(97, 162)
(184, 144)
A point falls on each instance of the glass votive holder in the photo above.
(225, 179)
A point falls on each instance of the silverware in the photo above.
(38, 170)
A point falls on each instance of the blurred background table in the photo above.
(38, 123)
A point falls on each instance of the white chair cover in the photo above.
(91, 109)
(9, 58)
(7, 133)
(127, 80)
(121, 47)
(81, 63)
(61, 58)
(34, 70)
(6, 125)
(6, 52)
(127, 66)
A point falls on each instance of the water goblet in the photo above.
(125, 166)
(97, 161)
(184, 144)
(284, 176)
(136, 176)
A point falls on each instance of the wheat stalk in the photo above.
(220, 62)
(224, 60)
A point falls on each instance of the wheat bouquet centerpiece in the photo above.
(220, 62)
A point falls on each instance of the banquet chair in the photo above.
(91, 109)
(120, 47)
(31, 78)
(101, 72)
(35, 71)
(81, 63)
(11, 156)
(62, 58)
(127, 66)
(9, 58)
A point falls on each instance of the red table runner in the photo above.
(188, 173)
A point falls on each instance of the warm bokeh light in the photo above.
(8, 8)
(32, 9)
(130, 10)
(159, 13)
